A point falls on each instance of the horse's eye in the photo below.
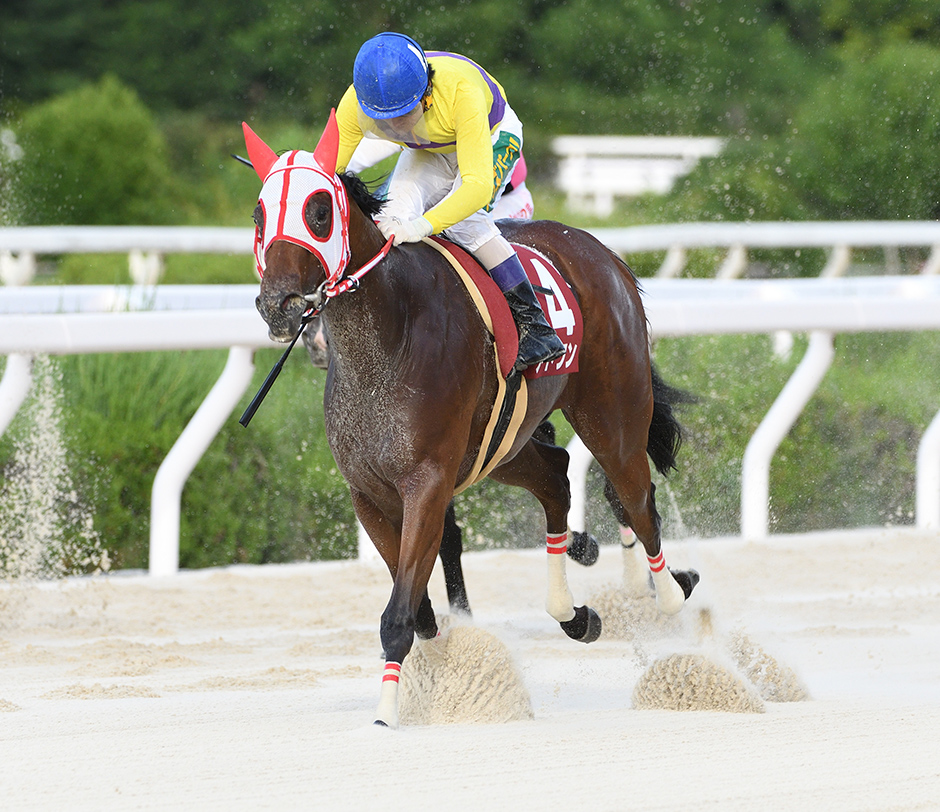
(319, 216)
(258, 217)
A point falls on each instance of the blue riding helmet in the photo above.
(390, 75)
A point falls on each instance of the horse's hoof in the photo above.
(584, 626)
(687, 579)
(583, 548)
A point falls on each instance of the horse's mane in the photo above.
(370, 203)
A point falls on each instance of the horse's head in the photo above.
(301, 228)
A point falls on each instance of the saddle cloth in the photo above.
(562, 311)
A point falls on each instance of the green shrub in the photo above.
(93, 156)
(269, 493)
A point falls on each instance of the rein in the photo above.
(318, 299)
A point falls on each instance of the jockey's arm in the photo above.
(347, 120)
(475, 159)
(370, 152)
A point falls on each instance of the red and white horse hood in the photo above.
(290, 180)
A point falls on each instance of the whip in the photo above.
(269, 381)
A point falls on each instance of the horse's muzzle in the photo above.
(282, 313)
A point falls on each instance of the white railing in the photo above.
(820, 307)
(841, 237)
(600, 168)
(104, 319)
(144, 245)
(89, 319)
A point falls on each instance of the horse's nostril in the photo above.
(291, 302)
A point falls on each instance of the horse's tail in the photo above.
(665, 435)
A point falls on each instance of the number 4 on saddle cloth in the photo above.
(563, 314)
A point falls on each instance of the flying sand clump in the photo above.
(464, 676)
(697, 680)
(45, 531)
(684, 682)
(774, 681)
(627, 618)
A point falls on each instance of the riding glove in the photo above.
(412, 231)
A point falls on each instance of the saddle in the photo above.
(562, 311)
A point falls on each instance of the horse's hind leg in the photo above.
(636, 575)
(543, 471)
(636, 493)
(451, 551)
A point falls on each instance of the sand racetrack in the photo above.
(254, 688)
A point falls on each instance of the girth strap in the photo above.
(511, 397)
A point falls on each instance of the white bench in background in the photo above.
(595, 169)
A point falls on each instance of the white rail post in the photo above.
(366, 549)
(932, 265)
(186, 452)
(145, 268)
(17, 379)
(673, 263)
(18, 269)
(928, 477)
(755, 469)
(735, 263)
(838, 262)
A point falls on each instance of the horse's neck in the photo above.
(365, 327)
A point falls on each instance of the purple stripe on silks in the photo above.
(508, 273)
(499, 103)
(429, 145)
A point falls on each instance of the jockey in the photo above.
(461, 142)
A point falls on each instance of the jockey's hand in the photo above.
(412, 231)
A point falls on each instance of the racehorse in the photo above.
(412, 381)
(583, 547)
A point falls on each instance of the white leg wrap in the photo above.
(669, 595)
(636, 574)
(387, 712)
(559, 603)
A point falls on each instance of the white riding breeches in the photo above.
(422, 179)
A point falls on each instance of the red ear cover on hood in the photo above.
(328, 148)
(262, 157)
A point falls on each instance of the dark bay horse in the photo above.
(583, 547)
(412, 380)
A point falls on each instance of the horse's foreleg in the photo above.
(559, 603)
(578, 622)
(387, 540)
(409, 608)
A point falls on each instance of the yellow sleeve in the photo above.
(347, 119)
(474, 158)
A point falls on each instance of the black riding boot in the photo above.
(537, 340)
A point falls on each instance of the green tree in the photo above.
(864, 144)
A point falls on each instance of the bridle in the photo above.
(328, 289)
(289, 181)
